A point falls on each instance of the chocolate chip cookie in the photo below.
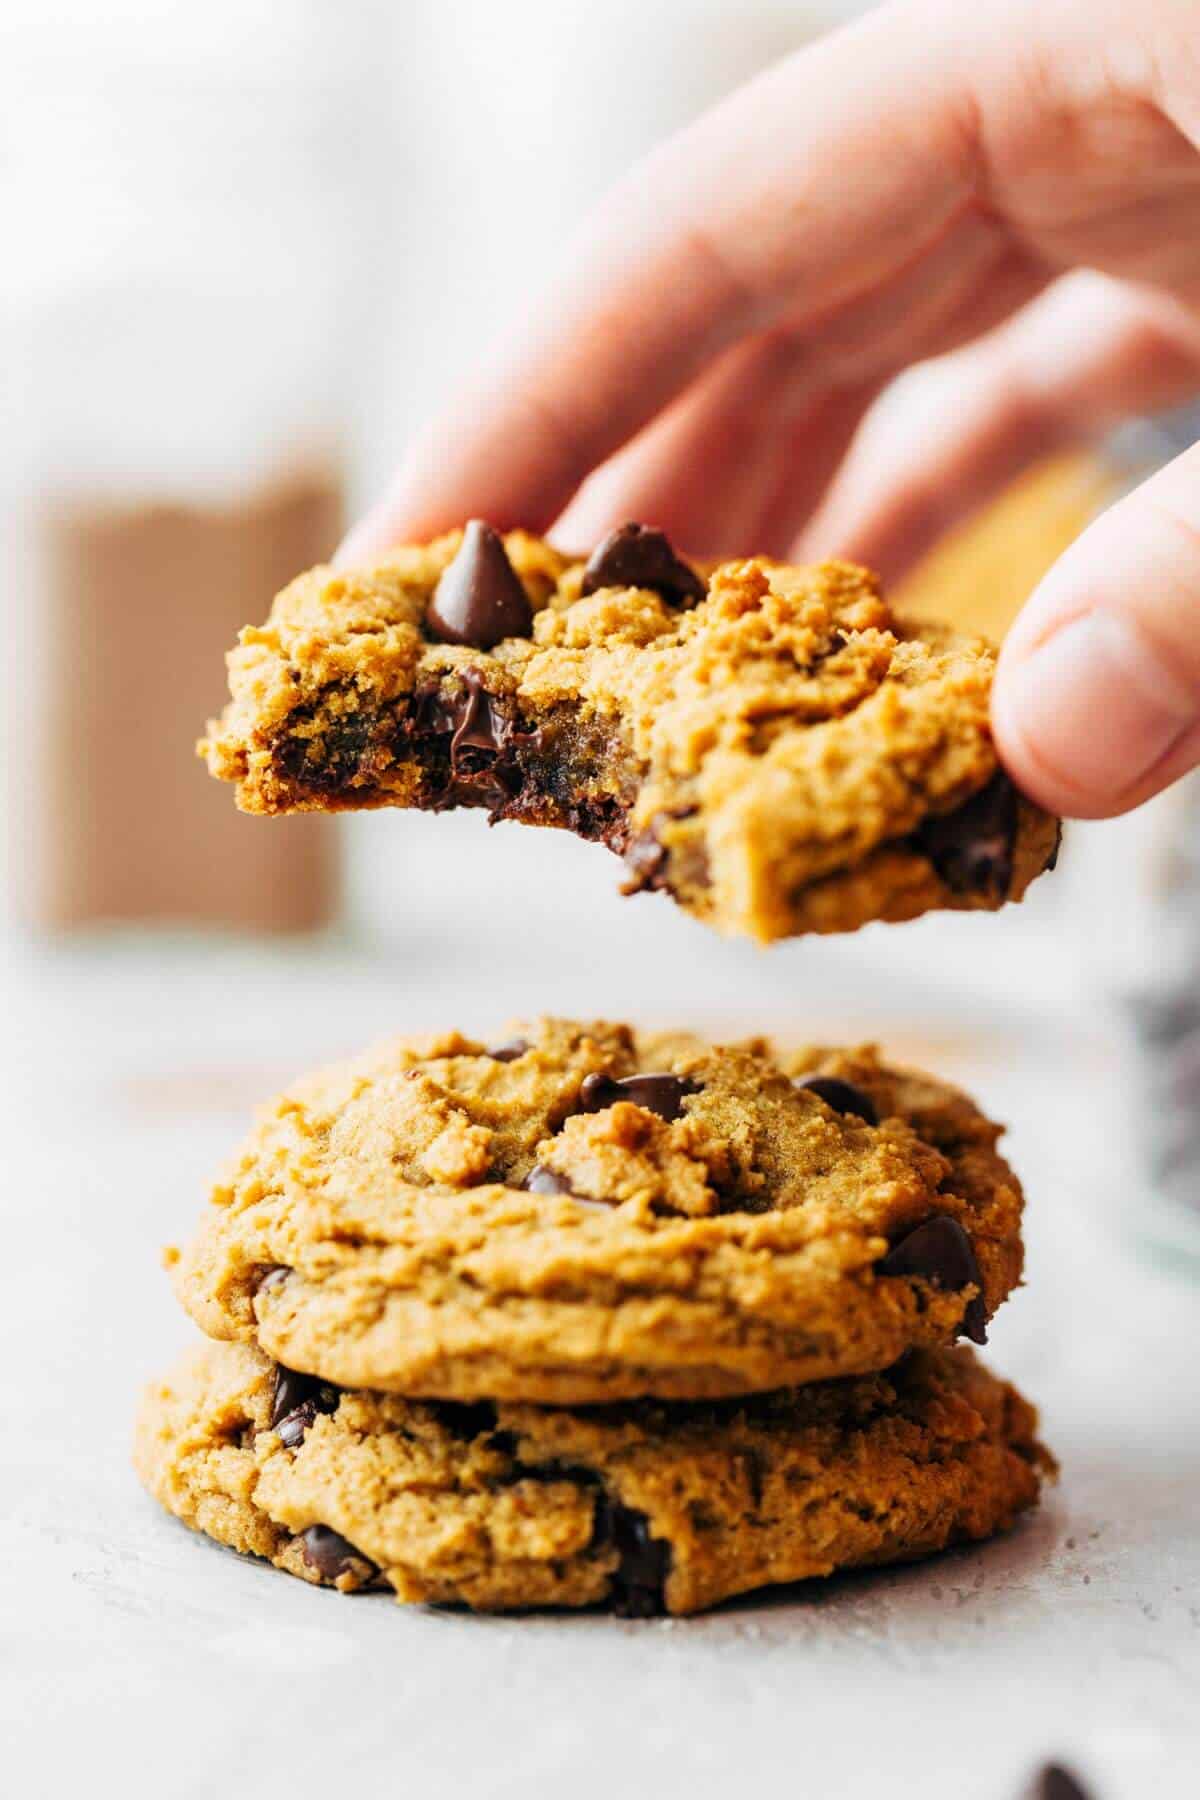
(643, 1507)
(580, 1214)
(770, 745)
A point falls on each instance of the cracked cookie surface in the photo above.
(581, 1214)
(768, 744)
(643, 1507)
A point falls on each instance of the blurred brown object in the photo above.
(980, 575)
(135, 605)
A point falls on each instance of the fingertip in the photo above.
(1019, 754)
(1084, 715)
(362, 542)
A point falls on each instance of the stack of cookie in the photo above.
(589, 1317)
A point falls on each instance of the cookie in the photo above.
(581, 1214)
(768, 744)
(643, 1508)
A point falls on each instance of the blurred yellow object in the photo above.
(980, 575)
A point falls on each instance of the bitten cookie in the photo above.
(770, 745)
(580, 1214)
(644, 1508)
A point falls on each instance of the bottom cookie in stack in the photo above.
(643, 1507)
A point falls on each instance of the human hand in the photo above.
(917, 183)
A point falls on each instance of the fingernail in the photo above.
(1096, 705)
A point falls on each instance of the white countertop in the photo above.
(141, 1660)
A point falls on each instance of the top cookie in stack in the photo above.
(771, 745)
(582, 1213)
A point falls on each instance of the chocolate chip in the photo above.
(509, 1052)
(646, 858)
(1053, 1782)
(843, 1096)
(972, 847)
(271, 1278)
(332, 1555)
(295, 1403)
(940, 1252)
(638, 556)
(661, 1094)
(541, 1180)
(465, 1419)
(637, 1585)
(479, 599)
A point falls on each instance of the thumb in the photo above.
(1096, 704)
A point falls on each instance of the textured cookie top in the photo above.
(643, 1508)
(769, 744)
(582, 1214)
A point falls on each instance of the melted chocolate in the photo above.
(972, 847)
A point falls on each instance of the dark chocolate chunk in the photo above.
(640, 1577)
(331, 1555)
(638, 556)
(843, 1096)
(509, 1052)
(1053, 1782)
(940, 1252)
(972, 847)
(296, 1401)
(479, 599)
(661, 1094)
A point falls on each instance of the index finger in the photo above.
(805, 192)
(706, 241)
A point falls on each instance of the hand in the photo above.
(922, 181)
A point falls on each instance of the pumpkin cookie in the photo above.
(581, 1214)
(770, 745)
(644, 1508)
